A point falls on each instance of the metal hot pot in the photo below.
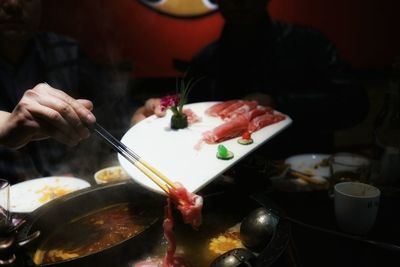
(220, 211)
(77, 204)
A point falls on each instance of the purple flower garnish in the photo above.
(169, 101)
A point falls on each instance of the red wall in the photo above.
(365, 31)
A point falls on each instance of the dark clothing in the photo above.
(298, 67)
(58, 61)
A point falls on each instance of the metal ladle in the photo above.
(234, 258)
(256, 231)
(258, 228)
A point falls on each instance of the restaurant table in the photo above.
(316, 248)
(310, 247)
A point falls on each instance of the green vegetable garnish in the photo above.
(224, 153)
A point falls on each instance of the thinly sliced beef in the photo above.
(215, 109)
(258, 111)
(227, 130)
(191, 116)
(170, 259)
(264, 120)
(189, 205)
(246, 107)
(239, 116)
(223, 114)
(168, 226)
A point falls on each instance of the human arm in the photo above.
(45, 112)
(151, 106)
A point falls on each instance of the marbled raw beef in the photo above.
(245, 107)
(215, 109)
(264, 120)
(227, 130)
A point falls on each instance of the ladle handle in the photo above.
(266, 202)
(380, 244)
(26, 241)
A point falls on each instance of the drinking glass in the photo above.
(4, 205)
(348, 167)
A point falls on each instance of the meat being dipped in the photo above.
(190, 206)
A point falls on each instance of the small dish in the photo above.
(310, 164)
(110, 174)
(314, 166)
(27, 196)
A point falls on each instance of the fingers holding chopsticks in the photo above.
(46, 112)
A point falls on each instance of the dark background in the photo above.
(364, 31)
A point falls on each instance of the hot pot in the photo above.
(77, 204)
(221, 210)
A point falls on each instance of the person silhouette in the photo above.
(297, 70)
(39, 123)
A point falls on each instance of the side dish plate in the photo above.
(27, 196)
(311, 164)
(173, 152)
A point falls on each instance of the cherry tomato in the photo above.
(246, 135)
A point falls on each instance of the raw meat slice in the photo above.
(264, 120)
(231, 108)
(189, 204)
(259, 111)
(215, 109)
(246, 107)
(227, 130)
(191, 116)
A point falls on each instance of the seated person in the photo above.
(294, 69)
(32, 65)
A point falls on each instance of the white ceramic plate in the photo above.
(173, 152)
(312, 164)
(30, 195)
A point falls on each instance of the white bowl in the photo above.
(110, 174)
(311, 164)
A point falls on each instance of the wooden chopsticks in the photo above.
(157, 177)
(308, 178)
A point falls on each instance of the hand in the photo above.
(45, 112)
(152, 106)
(261, 98)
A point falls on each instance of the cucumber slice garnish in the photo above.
(229, 155)
(245, 141)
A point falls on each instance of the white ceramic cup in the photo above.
(356, 206)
